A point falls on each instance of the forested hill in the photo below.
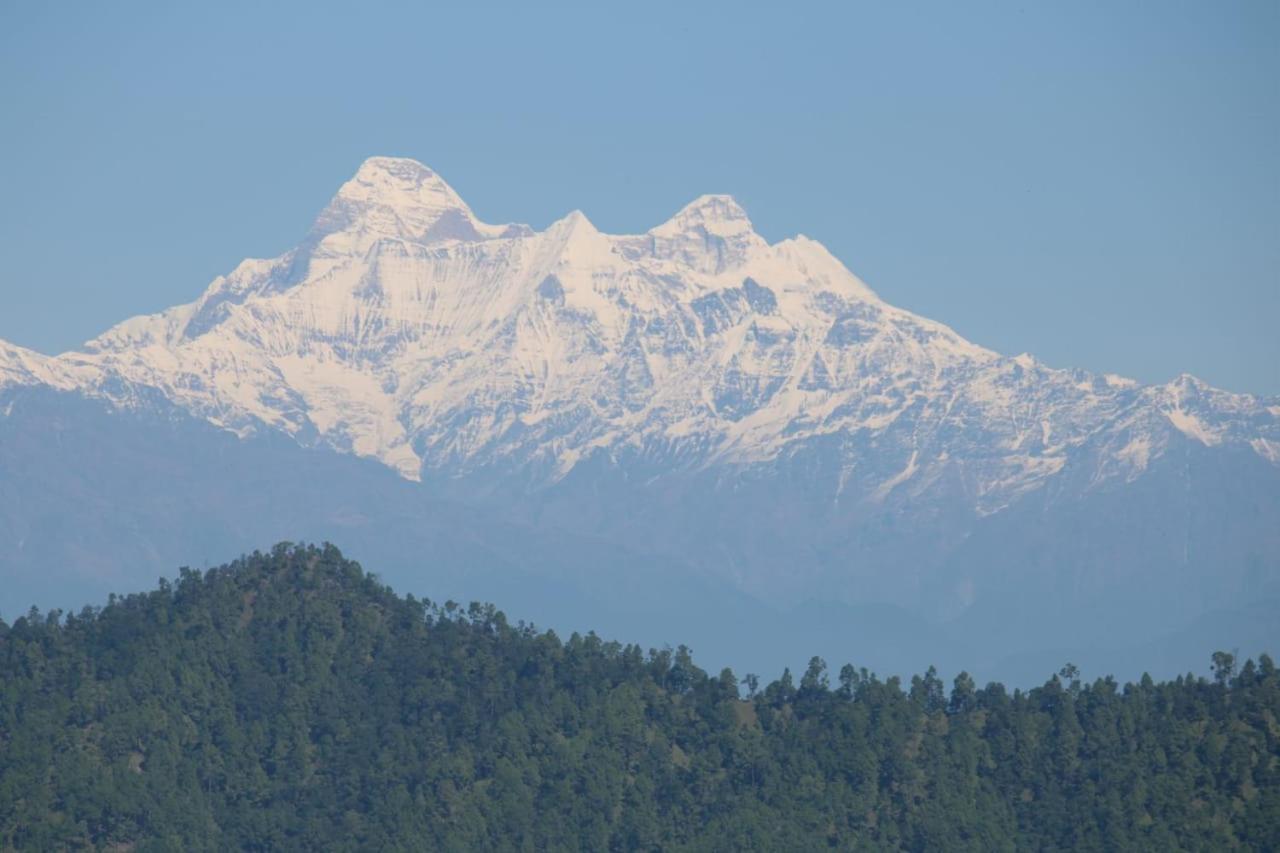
(291, 701)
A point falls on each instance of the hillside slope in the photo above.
(290, 701)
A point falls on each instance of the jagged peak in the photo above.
(400, 182)
(711, 234)
(405, 167)
(816, 261)
(578, 241)
(573, 221)
(400, 197)
(718, 215)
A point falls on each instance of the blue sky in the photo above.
(1096, 183)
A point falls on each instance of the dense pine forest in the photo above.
(291, 701)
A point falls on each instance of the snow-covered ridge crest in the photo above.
(398, 198)
(710, 234)
(405, 329)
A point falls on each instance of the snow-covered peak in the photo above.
(21, 366)
(399, 198)
(18, 360)
(400, 182)
(577, 242)
(821, 268)
(718, 215)
(711, 234)
(406, 329)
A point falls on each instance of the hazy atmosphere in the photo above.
(659, 426)
(1096, 184)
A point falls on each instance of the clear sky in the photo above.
(1096, 183)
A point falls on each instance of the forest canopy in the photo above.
(289, 700)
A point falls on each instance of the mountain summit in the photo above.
(698, 393)
(408, 330)
(396, 198)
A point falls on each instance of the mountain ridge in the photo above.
(385, 297)
(750, 412)
(291, 700)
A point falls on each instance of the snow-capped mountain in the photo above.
(405, 329)
(752, 408)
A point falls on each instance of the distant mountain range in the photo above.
(691, 431)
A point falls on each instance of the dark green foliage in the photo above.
(291, 701)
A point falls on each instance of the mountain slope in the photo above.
(405, 329)
(290, 701)
(752, 413)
